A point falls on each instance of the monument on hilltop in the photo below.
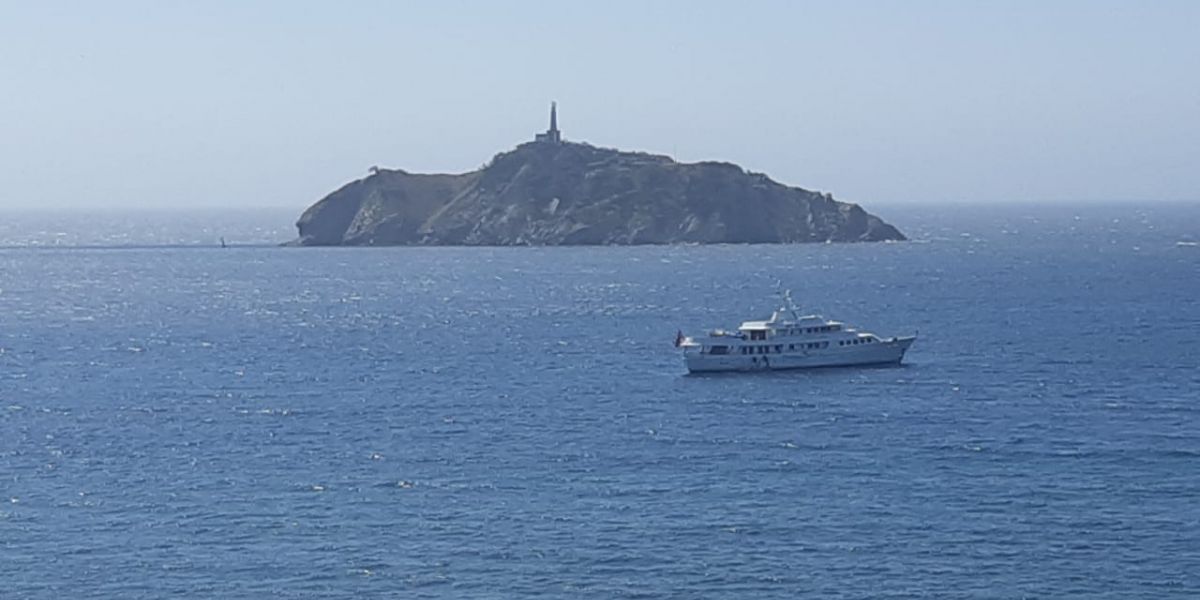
(552, 135)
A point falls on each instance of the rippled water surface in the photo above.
(261, 422)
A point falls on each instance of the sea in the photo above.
(181, 420)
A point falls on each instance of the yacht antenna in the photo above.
(789, 304)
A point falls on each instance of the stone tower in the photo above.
(552, 135)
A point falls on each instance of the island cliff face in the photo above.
(550, 192)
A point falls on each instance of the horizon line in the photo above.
(127, 209)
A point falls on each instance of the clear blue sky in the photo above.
(182, 104)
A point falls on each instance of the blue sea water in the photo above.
(262, 422)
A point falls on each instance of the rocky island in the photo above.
(553, 192)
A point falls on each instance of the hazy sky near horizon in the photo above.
(163, 104)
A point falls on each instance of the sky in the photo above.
(244, 104)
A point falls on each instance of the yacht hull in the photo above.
(889, 351)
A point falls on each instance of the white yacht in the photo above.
(789, 341)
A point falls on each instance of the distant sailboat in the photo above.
(223, 243)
